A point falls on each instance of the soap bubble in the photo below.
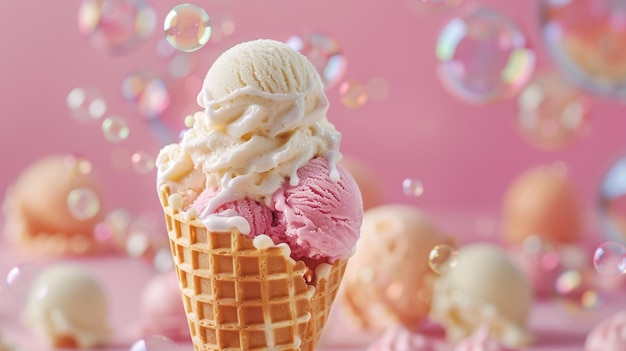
(154, 343)
(86, 104)
(610, 259)
(483, 56)
(585, 39)
(115, 129)
(83, 203)
(353, 94)
(612, 201)
(412, 187)
(148, 92)
(552, 113)
(324, 53)
(19, 280)
(187, 27)
(442, 258)
(143, 162)
(116, 26)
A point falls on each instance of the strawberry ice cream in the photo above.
(608, 335)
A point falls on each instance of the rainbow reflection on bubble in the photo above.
(116, 26)
(483, 56)
(187, 27)
(585, 39)
(325, 54)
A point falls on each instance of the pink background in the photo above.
(466, 155)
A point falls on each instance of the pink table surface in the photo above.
(556, 328)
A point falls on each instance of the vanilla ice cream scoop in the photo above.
(485, 288)
(67, 307)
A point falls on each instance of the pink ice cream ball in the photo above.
(318, 218)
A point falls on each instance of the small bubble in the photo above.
(86, 104)
(353, 94)
(148, 92)
(115, 129)
(610, 259)
(154, 343)
(142, 162)
(77, 164)
(442, 258)
(19, 280)
(83, 203)
(324, 53)
(412, 187)
(568, 282)
(187, 27)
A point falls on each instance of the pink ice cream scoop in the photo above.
(398, 338)
(608, 335)
(481, 341)
(318, 218)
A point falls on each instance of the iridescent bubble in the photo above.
(552, 113)
(148, 92)
(412, 187)
(612, 201)
(115, 129)
(568, 282)
(442, 258)
(610, 259)
(353, 93)
(83, 203)
(187, 27)
(116, 26)
(86, 104)
(325, 54)
(483, 56)
(143, 162)
(154, 343)
(585, 39)
(19, 280)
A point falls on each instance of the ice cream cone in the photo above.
(240, 297)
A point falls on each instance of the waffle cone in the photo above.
(238, 297)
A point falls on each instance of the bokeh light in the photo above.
(83, 203)
(568, 282)
(612, 201)
(542, 252)
(154, 343)
(325, 54)
(148, 92)
(412, 187)
(552, 113)
(353, 93)
(483, 56)
(116, 26)
(187, 27)
(86, 104)
(442, 258)
(143, 162)
(115, 129)
(77, 164)
(19, 280)
(585, 39)
(610, 259)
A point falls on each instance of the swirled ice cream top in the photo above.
(264, 117)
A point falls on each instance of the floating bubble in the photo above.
(19, 280)
(77, 164)
(187, 27)
(112, 230)
(568, 282)
(142, 162)
(610, 259)
(83, 203)
(585, 39)
(377, 89)
(353, 93)
(442, 258)
(552, 113)
(116, 26)
(115, 129)
(412, 187)
(154, 343)
(483, 56)
(148, 92)
(86, 104)
(325, 54)
(612, 201)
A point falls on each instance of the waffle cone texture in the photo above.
(238, 297)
